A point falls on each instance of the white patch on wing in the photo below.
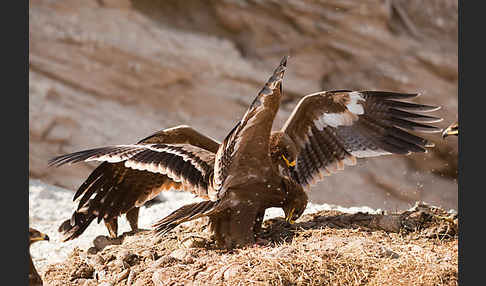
(368, 153)
(335, 120)
(354, 106)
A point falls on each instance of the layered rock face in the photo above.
(112, 72)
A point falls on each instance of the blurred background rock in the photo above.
(112, 72)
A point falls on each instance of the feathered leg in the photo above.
(241, 228)
(112, 226)
(258, 221)
(132, 217)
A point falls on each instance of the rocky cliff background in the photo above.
(111, 72)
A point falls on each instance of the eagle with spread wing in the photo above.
(254, 168)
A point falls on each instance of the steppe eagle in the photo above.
(254, 168)
(34, 236)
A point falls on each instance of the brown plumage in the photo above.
(452, 129)
(34, 236)
(254, 168)
(113, 189)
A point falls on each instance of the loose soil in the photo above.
(415, 247)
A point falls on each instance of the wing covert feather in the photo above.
(331, 129)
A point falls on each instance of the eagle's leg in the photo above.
(258, 221)
(112, 226)
(219, 226)
(132, 217)
(241, 228)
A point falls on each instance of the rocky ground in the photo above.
(111, 72)
(329, 245)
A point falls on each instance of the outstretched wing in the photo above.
(251, 134)
(333, 128)
(117, 187)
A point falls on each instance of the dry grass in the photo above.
(326, 248)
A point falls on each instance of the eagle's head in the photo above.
(35, 235)
(283, 152)
(295, 202)
(453, 129)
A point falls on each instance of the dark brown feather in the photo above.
(113, 189)
(330, 127)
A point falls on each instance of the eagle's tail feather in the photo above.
(76, 225)
(183, 214)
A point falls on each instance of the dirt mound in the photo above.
(415, 247)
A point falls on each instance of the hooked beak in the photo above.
(289, 216)
(289, 164)
(42, 237)
(451, 130)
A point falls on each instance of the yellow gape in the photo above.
(289, 164)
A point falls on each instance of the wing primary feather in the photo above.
(95, 174)
(404, 144)
(68, 158)
(86, 155)
(389, 146)
(389, 94)
(410, 106)
(99, 186)
(95, 187)
(413, 116)
(414, 125)
(397, 132)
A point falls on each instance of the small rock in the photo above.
(110, 257)
(385, 252)
(106, 284)
(183, 255)
(127, 257)
(231, 272)
(102, 241)
(194, 242)
(139, 282)
(86, 282)
(93, 250)
(416, 248)
(82, 271)
(150, 254)
(98, 259)
(100, 275)
(160, 277)
(130, 278)
(122, 275)
(163, 261)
